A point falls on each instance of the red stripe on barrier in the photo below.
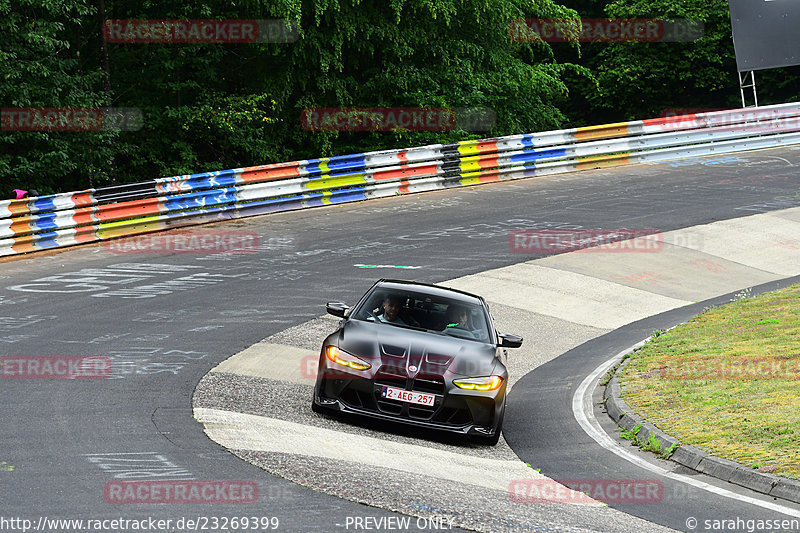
(669, 120)
(405, 172)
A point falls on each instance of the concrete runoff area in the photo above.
(557, 302)
(570, 296)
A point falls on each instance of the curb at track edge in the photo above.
(689, 456)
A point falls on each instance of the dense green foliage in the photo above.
(638, 80)
(216, 106)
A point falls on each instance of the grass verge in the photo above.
(728, 381)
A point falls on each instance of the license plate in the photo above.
(401, 395)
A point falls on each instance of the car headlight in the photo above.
(482, 384)
(340, 357)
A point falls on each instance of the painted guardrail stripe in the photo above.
(85, 216)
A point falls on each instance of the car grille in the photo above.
(427, 383)
(430, 384)
(393, 377)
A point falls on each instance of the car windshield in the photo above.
(435, 314)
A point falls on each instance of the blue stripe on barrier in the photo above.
(43, 203)
(47, 240)
(348, 197)
(211, 182)
(341, 162)
(199, 175)
(196, 212)
(527, 140)
(200, 199)
(538, 154)
(190, 182)
(45, 221)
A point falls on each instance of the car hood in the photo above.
(428, 353)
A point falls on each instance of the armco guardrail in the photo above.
(97, 214)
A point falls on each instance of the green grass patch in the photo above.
(728, 381)
(632, 433)
(652, 445)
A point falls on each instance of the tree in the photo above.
(638, 80)
(41, 67)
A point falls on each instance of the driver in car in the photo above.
(392, 309)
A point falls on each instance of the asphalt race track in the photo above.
(165, 320)
(544, 428)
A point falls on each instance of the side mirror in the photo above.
(337, 309)
(507, 340)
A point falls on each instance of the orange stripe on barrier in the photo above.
(489, 178)
(21, 226)
(82, 199)
(606, 131)
(270, 172)
(486, 161)
(85, 234)
(404, 187)
(485, 146)
(84, 216)
(23, 245)
(132, 209)
(602, 161)
(18, 207)
(405, 172)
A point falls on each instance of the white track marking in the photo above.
(584, 414)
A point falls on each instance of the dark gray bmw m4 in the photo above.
(417, 354)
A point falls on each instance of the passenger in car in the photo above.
(456, 317)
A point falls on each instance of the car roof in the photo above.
(426, 288)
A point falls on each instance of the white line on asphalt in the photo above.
(584, 414)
